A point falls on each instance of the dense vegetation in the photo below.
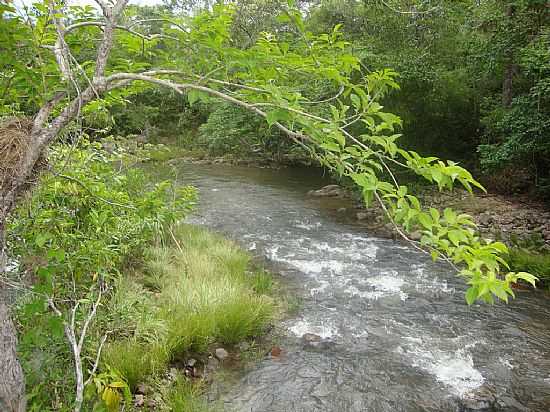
(100, 232)
(285, 81)
(474, 80)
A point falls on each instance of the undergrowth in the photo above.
(100, 229)
(195, 291)
(536, 263)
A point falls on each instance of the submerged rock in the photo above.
(311, 337)
(329, 191)
(480, 399)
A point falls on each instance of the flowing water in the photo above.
(396, 332)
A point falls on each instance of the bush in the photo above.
(82, 225)
(233, 130)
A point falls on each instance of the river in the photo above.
(396, 332)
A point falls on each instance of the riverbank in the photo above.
(522, 224)
(156, 306)
(190, 309)
(194, 306)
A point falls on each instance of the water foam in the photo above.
(325, 329)
(454, 369)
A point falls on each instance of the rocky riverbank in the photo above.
(514, 221)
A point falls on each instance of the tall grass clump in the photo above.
(195, 291)
(136, 360)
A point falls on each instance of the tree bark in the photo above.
(509, 66)
(12, 380)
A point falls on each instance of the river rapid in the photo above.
(396, 332)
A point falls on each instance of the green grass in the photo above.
(185, 397)
(197, 291)
(537, 264)
(136, 360)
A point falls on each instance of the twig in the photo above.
(175, 240)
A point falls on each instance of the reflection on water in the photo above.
(398, 335)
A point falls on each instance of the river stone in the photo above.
(139, 400)
(328, 191)
(143, 389)
(416, 235)
(191, 362)
(311, 337)
(362, 216)
(485, 219)
(212, 364)
(480, 399)
(221, 354)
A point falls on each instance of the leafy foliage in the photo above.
(83, 222)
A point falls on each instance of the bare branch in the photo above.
(77, 345)
(89, 319)
(413, 12)
(180, 87)
(119, 27)
(97, 358)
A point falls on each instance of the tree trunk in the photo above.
(509, 66)
(12, 380)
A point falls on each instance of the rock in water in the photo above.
(311, 337)
(478, 400)
(328, 191)
(416, 235)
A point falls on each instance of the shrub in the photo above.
(86, 220)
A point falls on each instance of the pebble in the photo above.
(139, 400)
(221, 354)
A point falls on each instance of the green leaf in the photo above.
(356, 101)
(41, 239)
(456, 236)
(471, 295)
(425, 220)
(529, 278)
(277, 115)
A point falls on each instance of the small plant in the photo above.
(184, 395)
(112, 389)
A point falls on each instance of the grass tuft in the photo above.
(185, 396)
(136, 360)
(189, 295)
